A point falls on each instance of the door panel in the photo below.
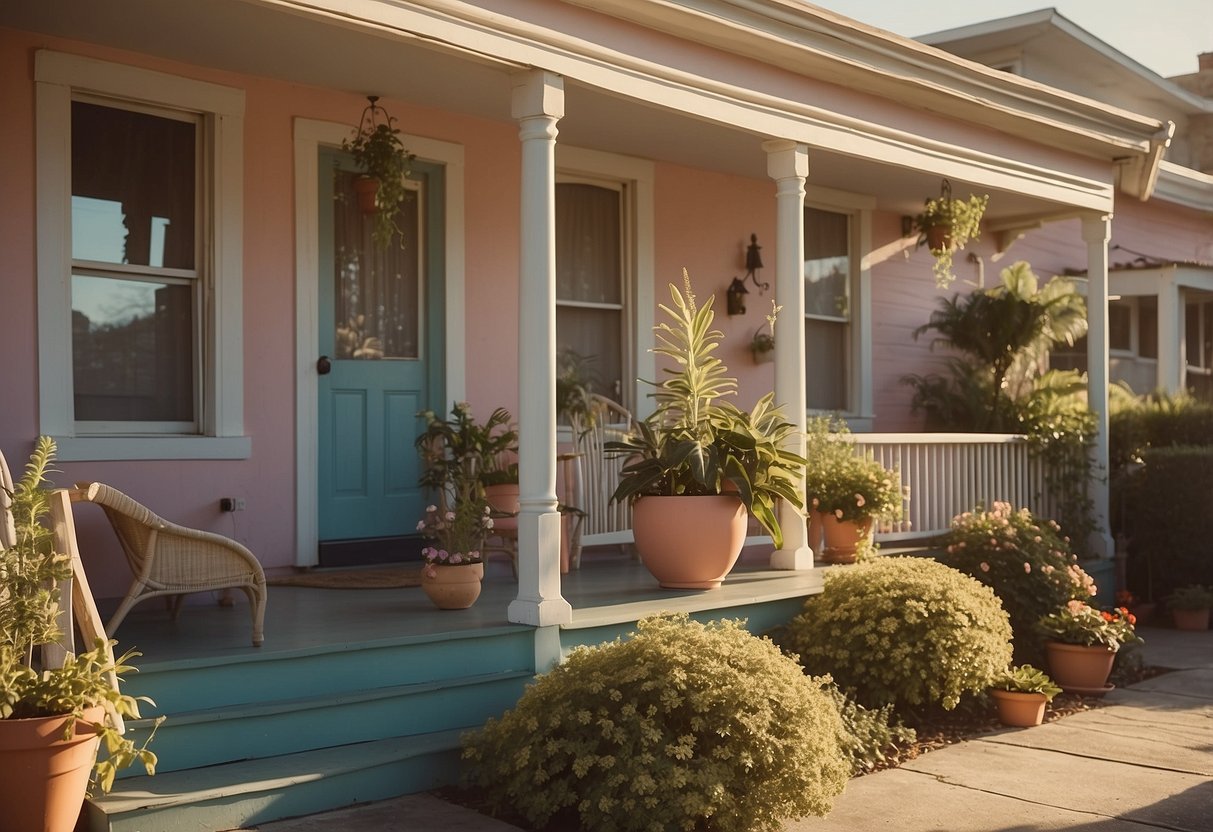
(380, 314)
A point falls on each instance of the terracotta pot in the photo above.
(452, 587)
(1143, 612)
(1077, 668)
(503, 499)
(689, 542)
(367, 188)
(1190, 619)
(843, 538)
(939, 237)
(1019, 710)
(45, 776)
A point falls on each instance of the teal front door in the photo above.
(380, 323)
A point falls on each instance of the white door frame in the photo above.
(310, 135)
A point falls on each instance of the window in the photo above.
(139, 262)
(1120, 325)
(827, 288)
(1147, 326)
(591, 280)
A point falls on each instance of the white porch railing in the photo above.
(947, 473)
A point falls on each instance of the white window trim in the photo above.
(859, 413)
(57, 76)
(639, 297)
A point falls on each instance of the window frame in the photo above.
(858, 208)
(59, 79)
(635, 178)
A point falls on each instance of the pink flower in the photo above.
(456, 558)
(859, 501)
(985, 567)
(1027, 567)
(450, 515)
(420, 525)
(838, 513)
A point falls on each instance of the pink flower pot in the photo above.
(452, 587)
(844, 537)
(1077, 668)
(1190, 619)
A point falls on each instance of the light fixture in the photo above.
(737, 290)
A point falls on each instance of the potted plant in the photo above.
(460, 449)
(454, 565)
(946, 225)
(1190, 606)
(575, 390)
(698, 467)
(1021, 694)
(52, 718)
(851, 495)
(828, 444)
(1082, 643)
(762, 345)
(385, 164)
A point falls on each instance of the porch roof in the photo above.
(881, 114)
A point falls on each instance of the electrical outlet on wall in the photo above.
(231, 504)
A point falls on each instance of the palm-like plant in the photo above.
(694, 444)
(1005, 334)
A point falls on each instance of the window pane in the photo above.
(827, 265)
(826, 364)
(1120, 325)
(132, 350)
(378, 294)
(133, 189)
(1192, 333)
(588, 247)
(1147, 327)
(594, 334)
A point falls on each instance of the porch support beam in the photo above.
(1170, 334)
(1096, 231)
(788, 165)
(537, 104)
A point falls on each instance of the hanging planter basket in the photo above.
(367, 189)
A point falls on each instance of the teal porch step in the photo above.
(250, 792)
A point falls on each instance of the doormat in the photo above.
(392, 578)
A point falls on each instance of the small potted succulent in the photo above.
(1021, 693)
(1082, 643)
(1190, 606)
(385, 164)
(946, 225)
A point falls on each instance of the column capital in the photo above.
(537, 92)
(1096, 228)
(786, 159)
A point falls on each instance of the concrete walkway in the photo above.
(1141, 764)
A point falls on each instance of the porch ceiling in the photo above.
(280, 41)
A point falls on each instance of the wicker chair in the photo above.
(171, 560)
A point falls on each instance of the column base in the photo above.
(799, 559)
(539, 613)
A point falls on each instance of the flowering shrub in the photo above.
(903, 631)
(859, 487)
(458, 532)
(868, 733)
(684, 726)
(1079, 623)
(1026, 562)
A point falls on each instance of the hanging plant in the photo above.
(385, 164)
(946, 225)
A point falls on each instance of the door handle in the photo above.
(323, 365)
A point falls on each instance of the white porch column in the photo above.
(788, 165)
(538, 103)
(1096, 231)
(1170, 335)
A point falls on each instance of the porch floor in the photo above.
(611, 588)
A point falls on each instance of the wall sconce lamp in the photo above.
(737, 290)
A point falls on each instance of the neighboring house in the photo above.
(180, 253)
(1160, 324)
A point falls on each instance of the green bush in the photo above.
(903, 631)
(1136, 425)
(1169, 517)
(1027, 563)
(683, 726)
(869, 733)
